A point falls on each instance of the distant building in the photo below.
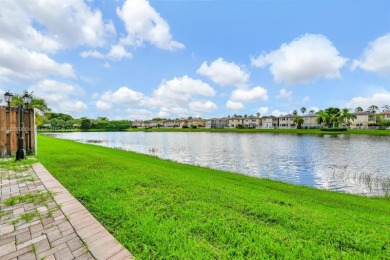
(196, 122)
(251, 122)
(235, 122)
(287, 121)
(364, 120)
(310, 121)
(217, 122)
(269, 122)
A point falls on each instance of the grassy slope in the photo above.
(161, 209)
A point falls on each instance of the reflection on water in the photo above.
(356, 164)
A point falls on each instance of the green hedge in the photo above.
(334, 129)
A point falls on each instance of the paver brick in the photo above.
(7, 248)
(6, 229)
(122, 255)
(64, 226)
(21, 238)
(64, 254)
(28, 256)
(16, 253)
(54, 235)
(75, 243)
(42, 246)
(64, 239)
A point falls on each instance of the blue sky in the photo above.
(136, 59)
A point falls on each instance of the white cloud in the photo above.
(224, 73)
(253, 94)
(202, 106)
(68, 24)
(182, 89)
(234, 105)
(284, 93)
(118, 52)
(20, 63)
(378, 99)
(139, 114)
(175, 97)
(305, 100)
(107, 65)
(303, 60)
(263, 110)
(278, 113)
(94, 54)
(72, 106)
(58, 95)
(376, 57)
(123, 95)
(31, 30)
(103, 105)
(143, 23)
(178, 97)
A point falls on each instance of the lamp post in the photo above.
(26, 98)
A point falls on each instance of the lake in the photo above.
(357, 164)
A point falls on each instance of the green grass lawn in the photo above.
(162, 209)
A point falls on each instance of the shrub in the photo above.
(334, 129)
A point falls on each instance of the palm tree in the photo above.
(386, 107)
(37, 103)
(358, 109)
(323, 118)
(295, 112)
(303, 110)
(258, 114)
(345, 116)
(299, 121)
(312, 111)
(372, 108)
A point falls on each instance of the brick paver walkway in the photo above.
(39, 219)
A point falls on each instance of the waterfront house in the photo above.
(168, 123)
(385, 115)
(287, 121)
(251, 122)
(364, 120)
(235, 122)
(269, 122)
(217, 122)
(196, 122)
(137, 123)
(310, 121)
(181, 123)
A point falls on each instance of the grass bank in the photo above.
(161, 209)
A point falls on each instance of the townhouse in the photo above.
(217, 122)
(310, 121)
(364, 120)
(251, 122)
(269, 122)
(287, 121)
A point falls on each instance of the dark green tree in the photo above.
(85, 123)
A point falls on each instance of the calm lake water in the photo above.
(356, 164)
